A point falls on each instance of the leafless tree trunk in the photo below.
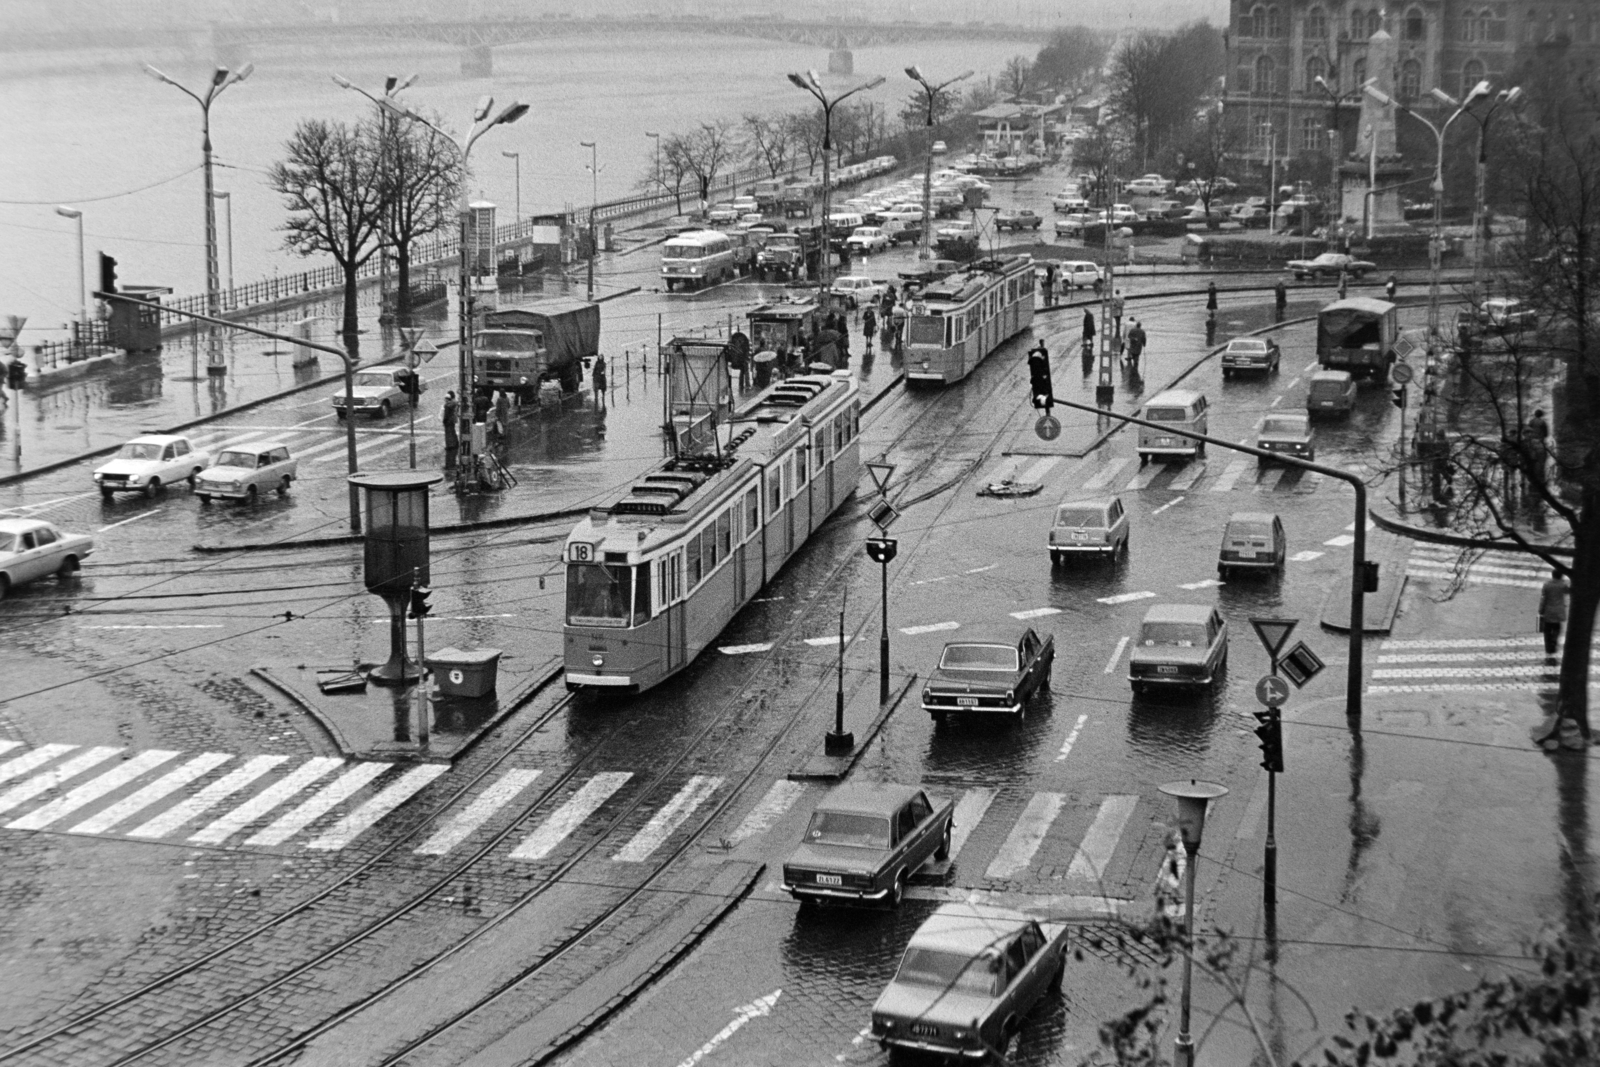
(422, 184)
(769, 142)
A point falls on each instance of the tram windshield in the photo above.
(926, 330)
(599, 594)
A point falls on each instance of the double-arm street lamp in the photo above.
(811, 84)
(83, 299)
(594, 201)
(387, 148)
(1480, 220)
(1336, 101)
(931, 92)
(221, 78)
(516, 163)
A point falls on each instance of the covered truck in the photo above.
(1358, 335)
(518, 349)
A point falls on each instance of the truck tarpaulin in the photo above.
(568, 331)
(1357, 335)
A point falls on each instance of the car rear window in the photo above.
(1327, 388)
(1078, 516)
(236, 459)
(1166, 414)
(847, 828)
(1284, 426)
(1247, 346)
(979, 658)
(950, 970)
(1172, 634)
(1238, 530)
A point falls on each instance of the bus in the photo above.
(953, 324)
(699, 257)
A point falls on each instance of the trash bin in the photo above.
(462, 673)
(764, 362)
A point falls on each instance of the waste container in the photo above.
(465, 673)
(764, 362)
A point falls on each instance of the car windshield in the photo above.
(236, 459)
(1172, 634)
(1281, 425)
(139, 450)
(1079, 516)
(8, 542)
(1164, 414)
(848, 828)
(979, 658)
(504, 341)
(951, 970)
(379, 380)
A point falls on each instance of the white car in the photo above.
(244, 472)
(940, 148)
(150, 462)
(903, 213)
(1069, 203)
(858, 288)
(866, 240)
(1121, 213)
(1074, 223)
(746, 204)
(1148, 185)
(32, 549)
(1078, 274)
(377, 391)
(723, 213)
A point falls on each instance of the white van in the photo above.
(844, 222)
(1181, 409)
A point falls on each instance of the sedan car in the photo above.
(1017, 220)
(1148, 185)
(990, 677)
(1252, 541)
(1285, 435)
(1068, 202)
(1099, 527)
(32, 549)
(857, 289)
(1250, 354)
(1330, 265)
(939, 148)
(864, 842)
(148, 463)
(1505, 315)
(1073, 225)
(244, 472)
(1179, 645)
(724, 212)
(969, 976)
(378, 391)
(866, 240)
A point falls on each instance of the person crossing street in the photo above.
(1136, 342)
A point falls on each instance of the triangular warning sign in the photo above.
(881, 473)
(1274, 633)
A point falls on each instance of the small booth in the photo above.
(137, 327)
(396, 506)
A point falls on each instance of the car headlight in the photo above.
(235, 485)
(927, 695)
(1011, 696)
(98, 476)
(133, 479)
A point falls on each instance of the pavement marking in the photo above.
(694, 793)
(1100, 841)
(1340, 541)
(1277, 399)
(1193, 471)
(819, 642)
(1124, 598)
(135, 518)
(1116, 655)
(219, 830)
(1142, 478)
(1056, 905)
(969, 813)
(1168, 504)
(379, 453)
(1235, 469)
(1103, 477)
(45, 505)
(1310, 367)
(209, 797)
(934, 627)
(753, 1010)
(565, 819)
(29, 760)
(779, 799)
(1037, 472)
(1465, 642)
(483, 806)
(1072, 737)
(745, 650)
(337, 443)
(1306, 557)
(1204, 583)
(1269, 479)
(1026, 836)
(1535, 670)
(1477, 567)
(93, 790)
(1461, 657)
(7, 746)
(238, 439)
(1478, 579)
(1035, 613)
(1458, 687)
(319, 804)
(156, 626)
(980, 570)
(55, 776)
(474, 618)
(376, 807)
(168, 783)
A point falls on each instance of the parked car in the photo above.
(1089, 526)
(940, 148)
(1165, 209)
(968, 977)
(1331, 265)
(150, 462)
(1252, 541)
(865, 840)
(866, 240)
(244, 472)
(1069, 202)
(724, 212)
(987, 677)
(378, 391)
(1286, 435)
(1022, 219)
(744, 205)
(1250, 214)
(1178, 645)
(32, 548)
(1250, 354)
(1331, 392)
(1148, 185)
(857, 289)
(1123, 213)
(1501, 314)
(1073, 224)
(1079, 274)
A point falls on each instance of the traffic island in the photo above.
(1386, 556)
(864, 716)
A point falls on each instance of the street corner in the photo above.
(834, 755)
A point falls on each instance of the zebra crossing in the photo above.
(1119, 474)
(312, 445)
(1450, 564)
(1459, 665)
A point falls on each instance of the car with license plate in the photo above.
(995, 675)
(377, 391)
(866, 240)
(1174, 409)
(31, 549)
(857, 289)
(149, 463)
(1287, 434)
(1331, 265)
(968, 979)
(1178, 646)
(1250, 354)
(244, 472)
(864, 842)
(1331, 392)
(1089, 527)
(1019, 220)
(1252, 541)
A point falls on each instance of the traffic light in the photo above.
(419, 602)
(1398, 394)
(16, 374)
(1040, 391)
(108, 274)
(1271, 733)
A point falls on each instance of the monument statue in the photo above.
(1368, 180)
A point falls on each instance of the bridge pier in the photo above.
(477, 61)
(841, 61)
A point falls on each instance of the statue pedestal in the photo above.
(1380, 213)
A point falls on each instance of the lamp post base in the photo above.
(838, 744)
(216, 370)
(1183, 1051)
(398, 670)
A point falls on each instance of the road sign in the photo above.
(1402, 373)
(1273, 633)
(1272, 691)
(1404, 348)
(1048, 427)
(1300, 664)
(424, 351)
(410, 335)
(883, 515)
(881, 473)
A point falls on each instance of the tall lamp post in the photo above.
(221, 78)
(1505, 97)
(227, 214)
(594, 201)
(931, 92)
(516, 161)
(656, 137)
(482, 123)
(811, 84)
(1192, 797)
(83, 297)
(1336, 101)
(391, 159)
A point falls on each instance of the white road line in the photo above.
(376, 807)
(1340, 541)
(1169, 504)
(45, 505)
(1116, 655)
(743, 1014)
(1229, 476)
(318, 804)
(135, 518)
(483, 806)
(1507, 559)
(1102, 478)
(820, 642)
(1478, 579)
(1072, 738)
(55, 776)
(969, 813)
(239, 439)
(1037, 472)
(209, 797)
(1204, 583)
(1100, 841)
(1307, 556)
(379, 453)
(93, 790)
(1142, 478)
(1276, 401)
(336, 443)
(933, 627)
(1035, 613)
(29, 760)
(1269, 479)
(7, 746)
(1534, 670)
(1026, 836)
(1292, 383)
(565, 819)
(1478, 567)
(154, 626)
(1464, 642)
(1462, 657)
(1124, 598)
(219, 830)
(745, 650)
(980, 570)
(1193, 471)
(655, 832)
(1310, 367)
(1462, 687)
(779, 799)
(168, 783)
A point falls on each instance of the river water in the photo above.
(91, 130)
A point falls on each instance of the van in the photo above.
(1180, 409)
(1332, 392)
(843, 223)
(1252, 541)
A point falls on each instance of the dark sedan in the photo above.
(989, 677)
(864, 842)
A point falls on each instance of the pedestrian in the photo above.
(1553, 610)
(600, 379)
(1344, 283)
(869, 325)
(1136, 343)
(1050, 285)
(1280, 298)
(1116, 311)
(1211, 296)
(502, 412)
(480, 406)
(1535, 447)
(1390, 286)
(452, 440)
(898, 316)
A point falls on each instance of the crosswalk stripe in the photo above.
(1103, 477)
(779, 799)
(1476, 568)
(1225, 483)
(669, 818)
(1037, 472)
(934, 627)
(1026, 835)
(93, 790)
(1460, 657)
(207, 798)
(318, 804)
(389, 450)
(7, 746)
(336, 443)
(1476, 579)
(1142, 478)
(392, 796)
(29, 760)
(1008, 467)
(238, 439)
(565, 819)
(1035, 613)
(1095, 850)
(1269, 479)
(219, 830)
(23, 792)
(969, 813)
(1310, 482)
(167, 784)
(1192, 472)
(1462, 642)
(1523, 671)
(484, 805)
(1465, 687)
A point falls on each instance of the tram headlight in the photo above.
(598, 661)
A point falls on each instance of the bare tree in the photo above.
(422, 187)
(914, 112)
(1017, 77)
(675, 168)
(1156, 79)
(805, 131)
(1070, 62)
(1211, 143)
(707, 151)
(769, 141)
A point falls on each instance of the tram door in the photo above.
(677, 636)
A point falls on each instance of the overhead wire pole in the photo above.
(594, 203)
(932, 92)
(813, 85)
(1480, 210)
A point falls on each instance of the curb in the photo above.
(1440, 537)
(296, 698)
(836, 768)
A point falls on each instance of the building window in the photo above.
(1275, 27)
(1261, 135)
(1416, 29)
(1311, 134)
(1316, 24)
(1475, 26)
(1358, 71)
(1266, 75)
(1316, 67)
(1242, 80)
(1254, 24)
(1472, 73)
(1410, 86)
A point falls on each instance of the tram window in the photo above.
(708, 548)
(774, 493)
(752, 517)
(725, 533)
(641, 593)
(802, 466)
(599, 594)
(693, 552)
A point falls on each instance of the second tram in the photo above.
(955, 323)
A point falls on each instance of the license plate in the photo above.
(1166, 670)
(1165, 441)
(1080, 537)
(966, 702)
(1247, 553)
(924, 1030)
(830, 879)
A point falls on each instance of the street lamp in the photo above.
(1192, 797)
(516, 160)
(1336, 101)
(482, 123)
(594, 201)
(227, 214)
(811, 84)
(221, 78)
(656, 137)
(391, 158)
(931, 92)
(1505, 97)
(83, 297)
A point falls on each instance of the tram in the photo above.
(656, 574)
(955, 323)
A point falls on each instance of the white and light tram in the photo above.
(952, 325)
(654, 576)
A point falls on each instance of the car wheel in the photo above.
(1261, 463)
(340, 414)
(194, 476)
(897, 890)
(204, 498)
(1021, 715)
(1222, 572)
(942, 853)
(938, 719)
(1138, 688)
(68, 568)
(106, 494)
(250, 495)
(283, 486)
(151, 488)
(1226, 373)
(383, 410)
(5, 586)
